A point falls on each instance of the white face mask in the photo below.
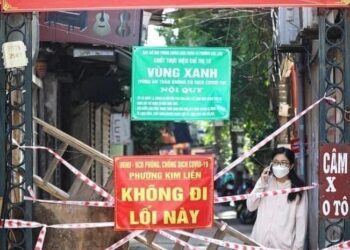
(280, 171)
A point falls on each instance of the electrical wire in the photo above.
(220, 18)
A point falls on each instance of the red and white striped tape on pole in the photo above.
(125, 239)
(269, 138)
(176, 240)
(262, 194)
(75, 171)
(230, 245)
(343, 245)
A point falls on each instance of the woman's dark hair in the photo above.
(295, 180)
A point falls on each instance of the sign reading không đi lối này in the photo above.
(181, 83)
(163, 192)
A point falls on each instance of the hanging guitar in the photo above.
(101, 26)
(123, 30)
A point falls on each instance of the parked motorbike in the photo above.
(243, 214)
(226, 186)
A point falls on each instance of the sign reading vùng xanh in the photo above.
(334, 179)
(163, 192)
(181, 83)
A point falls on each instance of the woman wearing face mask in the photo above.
(282, 219)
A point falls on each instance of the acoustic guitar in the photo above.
(101, 26)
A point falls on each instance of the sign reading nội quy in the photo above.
(334, 180)
(181, 83)
(163, 192)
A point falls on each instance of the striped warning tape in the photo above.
(76, 203)
(82, 225)
(269, 138)
(103, 193)
(262, 194)
(40, 241)
(216, 199)
(13, 224)
(75, 171)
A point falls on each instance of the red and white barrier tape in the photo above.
(269, 138)
(103, 193)
(75, 171)
(125, 239)
(216, 199)
(262, 194)
(75, 203)
(178, 241)
(13, 223)
(40, 241)
(82, 225)
(222, 243)
(343, 245)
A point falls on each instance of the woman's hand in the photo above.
(265, 174)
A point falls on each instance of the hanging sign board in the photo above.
(334, 179)
(183, 83)
(54, 5)
(163, 192)
(120, 129)
(118, 27)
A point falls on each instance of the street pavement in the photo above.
(222, 213)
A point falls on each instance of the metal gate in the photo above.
(16, 169)
(334, 53)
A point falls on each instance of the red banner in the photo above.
(334, 179)
(54, 5)
(163, 192)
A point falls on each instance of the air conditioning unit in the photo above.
(288, 25)
(310, 18)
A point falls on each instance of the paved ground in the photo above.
(225, 213)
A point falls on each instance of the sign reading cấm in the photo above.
(334, 179)
(55, 5)
(163, 192)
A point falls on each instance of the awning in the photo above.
(57, 5)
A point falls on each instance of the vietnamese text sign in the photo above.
(334, 179)
(181, 83)
(163, 192)
(54, 5)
